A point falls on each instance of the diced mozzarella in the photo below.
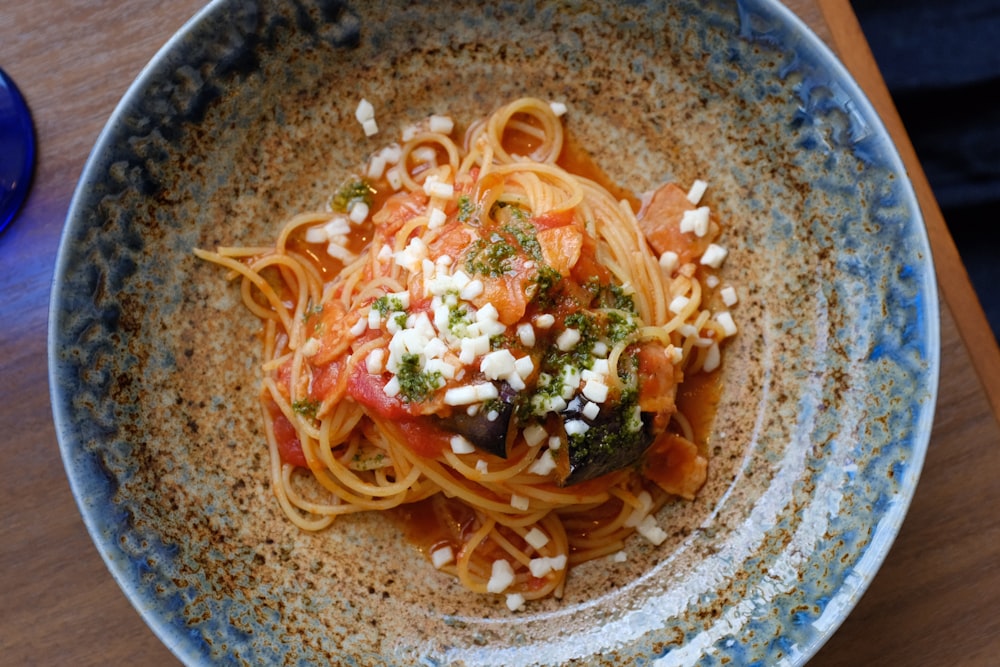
(712, 358)
(310, 347)
(441, 366)
(712, 281)
(543, 465)
(649, 529)
(434, 187)
(374, 362)
(359, 327)
(526, 334)
(460, 445)
(412, 256)
(374, 319)
(669, 261)
(482, 467)
(558, 108)
(725, 318)
(515, 381)
(524, 367)
(441, 557)
(501, 576)
(675, 354)
(545, 321)
(697, 191)
(472, 289)
(678, 304)
(640, 512)
(714, 256)
(591, 410)
(442, 124)
(619, 557)
(471, 393)
(596, 391)
(424, 154)
(392, 153)
(555, 443)
(392, 387)
(687, 330)
(518, 502)
(534, 434)
(728, 295)
(576, 427)
(463, 395)
(473, 347)
(394, 178)
(338, 251)
(541, 566)
(364, 111)
(536, 538)
(436, 218)
(568, 339)
(488, 312)
(515, 601)
(370, 127)
(358, 213)
(317, 234)
(376, 167)
(696, 221)
(496, 365)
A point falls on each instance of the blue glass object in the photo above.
(17, 149)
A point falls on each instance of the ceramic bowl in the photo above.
(247, 116)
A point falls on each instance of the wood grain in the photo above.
(934, 601)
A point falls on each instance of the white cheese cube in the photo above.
(678, 304)
(364, 111)
(460, 445)
(714, 256)
(669, 261)
(526, 334)
(697, 191)
(725, 318)
(501, 576)
(568, 339)
(442, 556)
(442, 124)
(536, 538)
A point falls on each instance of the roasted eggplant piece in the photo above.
(489, 435)
(616, 438)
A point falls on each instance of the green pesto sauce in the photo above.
(306, 407)
(387, 304)
(351, 192)
(415, 384)
(465, 208)
(626, 432)
(604, 439)
(490, 257)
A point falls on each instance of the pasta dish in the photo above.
(485, 342)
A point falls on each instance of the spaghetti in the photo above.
(490, 343)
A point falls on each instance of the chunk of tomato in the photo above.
(369, 391)
(289, 445)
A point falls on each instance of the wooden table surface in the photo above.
(936, 600)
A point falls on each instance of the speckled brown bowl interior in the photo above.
(247, 116)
